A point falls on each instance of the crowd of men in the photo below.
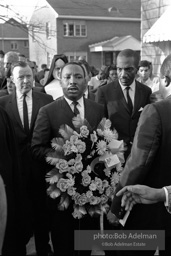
(31, 113)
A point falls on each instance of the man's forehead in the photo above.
(125, 60)
(17, 70)
(73, 69)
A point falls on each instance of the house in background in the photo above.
(14, 37)
(109, 49)
(75, 28)
(155, 31)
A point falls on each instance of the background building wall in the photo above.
(97, 31)
(42, 48)
(151, 11)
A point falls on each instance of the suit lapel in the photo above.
(35, 108)
(67, 110)
(137, 97)
(89, 114)
(14, 109)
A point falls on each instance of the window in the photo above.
(73, 56)
(14, 45)
(75, 29)
(26, 44)
(48, 30)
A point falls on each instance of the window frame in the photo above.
(77, 26)
(14, 43)
(26, 44)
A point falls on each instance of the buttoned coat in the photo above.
(116, 108)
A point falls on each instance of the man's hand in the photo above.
(112, 218)
(140, 194)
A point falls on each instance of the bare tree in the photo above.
(34, 30)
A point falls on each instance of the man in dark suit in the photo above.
(124, 98)
(10, 189)
(149, 163)
(48, 122)
(22, 107)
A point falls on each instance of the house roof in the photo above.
(116, 44)
(160, 31)
(12, 29)
(97, 8)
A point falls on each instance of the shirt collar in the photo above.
(132, 86)
(20, 95)
(80, 101)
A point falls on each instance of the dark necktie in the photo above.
(25, 114)
(76, 111)
(129, 101)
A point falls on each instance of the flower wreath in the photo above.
(87, 165)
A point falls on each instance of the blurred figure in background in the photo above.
(10, 88)
(9, 59)
(44, 79)
(2, 55)
(34, 70)
(53, 86)
(145, 76)
(99, 80)
(41, 73)
(2, 71)
(22, 57)
(112, 73)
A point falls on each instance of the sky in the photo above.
(24, 8)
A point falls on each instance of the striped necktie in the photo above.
(76, 111)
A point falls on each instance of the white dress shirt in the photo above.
(80, 106)
(29, 101)
(131, 91)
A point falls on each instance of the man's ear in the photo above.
(87, 78)
(168, 80)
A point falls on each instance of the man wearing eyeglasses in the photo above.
(125, 98)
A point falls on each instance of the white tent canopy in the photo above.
(161, 30)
